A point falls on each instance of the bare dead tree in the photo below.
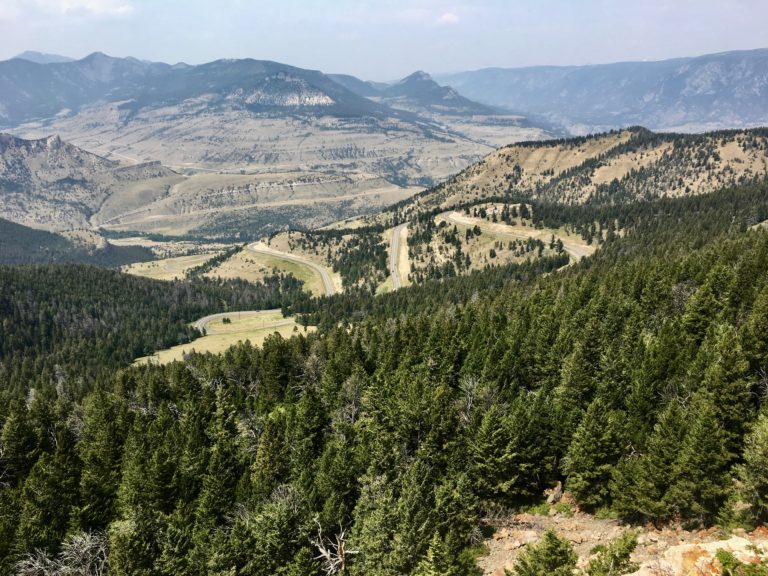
(37, 563)
(469, 386)
(333, 552)
(762, 384)
(83, 554)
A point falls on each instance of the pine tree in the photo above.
(594, 450)
(100, 449)
(641, 479)
(699, 479)
(753, 473)
(552, 556)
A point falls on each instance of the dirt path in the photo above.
(261, 248)
(578, 251)
(394, 256)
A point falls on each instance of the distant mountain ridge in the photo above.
(725, 90)
(34, 91)
(43, 58)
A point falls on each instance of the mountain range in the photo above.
(725, 90)
(248, 115)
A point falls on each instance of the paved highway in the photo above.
(394, 256)
(261, 248)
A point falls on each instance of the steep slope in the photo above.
(23, 245)
(727, 90)
(52, 184)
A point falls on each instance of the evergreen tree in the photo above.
(699, 479)
(552, 556)
(594, 450)
(641, 479)
(753, 473)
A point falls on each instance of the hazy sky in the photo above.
(385, 39)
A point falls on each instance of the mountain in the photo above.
(726, 90)
(240, 116)
(42, 58)
(417, 93)
(420, 92)
(52, 184)
(24, 245)
(29, 90)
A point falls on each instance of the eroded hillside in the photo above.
(623, 166)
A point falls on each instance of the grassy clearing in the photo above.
(169, 268)
(220, 336)
(385, 287)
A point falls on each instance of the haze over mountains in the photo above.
(726, 90)
(145, 146)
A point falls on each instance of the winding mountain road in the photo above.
(394, 256)
(261, 248)
(578, 251)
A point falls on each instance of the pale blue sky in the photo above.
(385, 39)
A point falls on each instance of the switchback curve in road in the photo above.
(261, 248)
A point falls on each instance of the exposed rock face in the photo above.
(51, 184)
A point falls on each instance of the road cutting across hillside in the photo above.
(578, 251)
(394, 256)
(261, 248)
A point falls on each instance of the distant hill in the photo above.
(616, 167)
(42, 58)
(727, 90)
(23, 245)
(52, 184)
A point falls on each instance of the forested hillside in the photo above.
(75, 324)
(377, 446)
(24, 245)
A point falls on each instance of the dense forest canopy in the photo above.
(638, 376)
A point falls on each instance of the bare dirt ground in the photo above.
(670, 551)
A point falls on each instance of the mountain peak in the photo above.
(418, 76)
